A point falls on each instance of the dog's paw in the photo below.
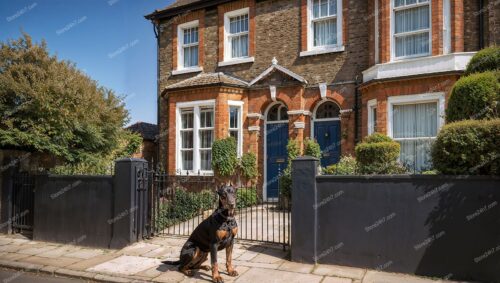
(233, 273)
(189, 273)
(217, 279)
(205, 267)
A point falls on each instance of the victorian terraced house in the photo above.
(266, 71)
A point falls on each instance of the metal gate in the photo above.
(180, 203)
(22, 204)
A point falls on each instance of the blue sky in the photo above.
(108, 39)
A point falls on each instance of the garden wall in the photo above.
(431, 225)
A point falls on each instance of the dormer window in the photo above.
(411, 28)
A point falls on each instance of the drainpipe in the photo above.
(356, 108)
(156, 30)
(481, 24)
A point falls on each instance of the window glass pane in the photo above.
(234, 117)
(316, 8)
(415, 154)
(412, 44)
(191, 35)
(238, 24)
(374, 119)
(239, 46)
(283, 113)
(412, 19)
(206, 159)
(323, 8)
(191, 56)
(187, 119)
(333, 8)
(325, 32)
(206, 117)
(206, 138)
(398, 3)
(328, 110)
(187, 160)
(187, 139)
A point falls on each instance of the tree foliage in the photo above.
(48, 105)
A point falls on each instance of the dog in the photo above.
(213, 234)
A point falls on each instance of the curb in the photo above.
(63, 272)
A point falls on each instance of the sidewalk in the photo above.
(141, 262)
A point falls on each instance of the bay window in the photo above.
(195, 124)
(372, 116)
(414, 124)
(411, 28)
(235, 123)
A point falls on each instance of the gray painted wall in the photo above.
(442, 226)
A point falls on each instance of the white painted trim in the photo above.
(228, 60)
(239, 104)
(180, 43)
(419, 66)
(236, 61)
(281, 69)
(254, 129)
(310, 33)
(319, 51)
(438, 97)
(272, 90)
(323, 89)
(371, 104)
(299, 125)
(392, 41)
(255, 115)
(299, 112)
(342, 111)
(187, 70)
(446, 27)
(196, 125)
(313, 116)
(377, 53)
(264, 189)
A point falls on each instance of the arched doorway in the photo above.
(276, 139)
(326, 131)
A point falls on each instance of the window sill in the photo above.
(196, 174)
(237, 61)
(322, 51)
(187, 71)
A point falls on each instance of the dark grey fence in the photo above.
(439, 226)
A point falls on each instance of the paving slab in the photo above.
(14, 256)
(336, 280)
(256, 264)
(296, 267)
(58, 252)
(127, 265)
(85, 253)
(274, 276)
(10, 248)
(139, 249)
(36, 250)
(162, 252)
(107, 278)
(91, 262)
(270, 256)
(339, 271)
(385, 277)
(58, 262)
(170, 276)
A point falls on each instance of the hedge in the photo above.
(312, 148)
(475, 97)
(487, 59)
(224, 157)
(378, 154)
(346, 166)
(377, 137)
(468, 148)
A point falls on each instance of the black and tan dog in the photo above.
(215, 233)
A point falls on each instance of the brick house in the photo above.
(266, 71)
(149, 146)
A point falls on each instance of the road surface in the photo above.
(13, 276)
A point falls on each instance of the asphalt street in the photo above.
(13, 276)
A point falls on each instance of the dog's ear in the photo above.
(220, 190)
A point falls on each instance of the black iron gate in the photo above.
(22, 203)
(179, 203)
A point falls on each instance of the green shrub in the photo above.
(346, 166)
(185, 206)
(378, 154)
(246, 197)
(312, 148)
(377, 137)
(224, 157)
(475, 97)
(285, 180)
(248, 166)
(468, 147)
(293, 151)
(487, 59)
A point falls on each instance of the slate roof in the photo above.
(206, 79)
(148, 131)
(176, 5)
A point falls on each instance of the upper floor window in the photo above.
(412, 34)
(236, 35)
(324, 26)
(188, 41)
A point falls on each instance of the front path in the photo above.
(141, 262)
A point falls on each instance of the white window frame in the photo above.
(393, 25)
(196, 105)
(228, 59)
(239, 104)
(180, 48)
(377, 53)
(437, 97)
(371, 105)
(446, 26)
(315, 50)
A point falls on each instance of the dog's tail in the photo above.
(169, 262)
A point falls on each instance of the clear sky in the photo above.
(108, 39)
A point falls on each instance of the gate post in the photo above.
(129, 202)
(6, 199)
(303, 235)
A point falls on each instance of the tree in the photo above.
(48, 105)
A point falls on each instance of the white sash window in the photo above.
(411, 28)
(188, 46)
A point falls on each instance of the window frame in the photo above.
(393, 26)
(196, 106)
(180, 45)
(227, 37)
(310, 31)
(371, 106)
(238, 104)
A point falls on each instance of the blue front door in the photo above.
(327, 134)
(276, 141)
